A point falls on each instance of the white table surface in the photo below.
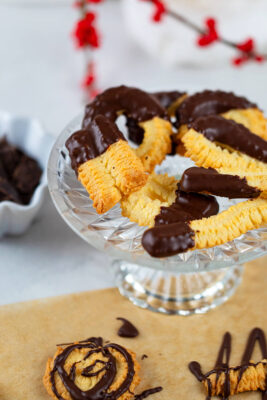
(39, 76)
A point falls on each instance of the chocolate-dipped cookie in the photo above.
(103, 160)
(142, 110)
(218, 102)
(224, 380)
(230, 148)
(105, 164)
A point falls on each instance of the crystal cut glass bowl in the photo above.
(191, 282)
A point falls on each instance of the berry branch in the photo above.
(86, 37)
(209, 34)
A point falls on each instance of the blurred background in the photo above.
(40, 76)
(41, 71)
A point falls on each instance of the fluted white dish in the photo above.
(29, 135)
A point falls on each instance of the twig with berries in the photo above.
(86, 37)
(209, 34)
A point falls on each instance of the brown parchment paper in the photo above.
(30, 330)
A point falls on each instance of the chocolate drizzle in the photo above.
(147, 393)
(210, 102)
(93, 141)
(210, 181)
(256, 335)
(232, 134)
(127, 329)
(223, 359)
(101, 390)
(172, 233)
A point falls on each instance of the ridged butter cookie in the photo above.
(90, 370)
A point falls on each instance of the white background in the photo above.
(40, 73)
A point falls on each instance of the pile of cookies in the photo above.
(224, 134)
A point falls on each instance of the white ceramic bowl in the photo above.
(29, 135)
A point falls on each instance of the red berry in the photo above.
(210, 23)
(259, 58)
(238, 61)
(211, 34)
(159, 10)
(85, 32)
(247, 46)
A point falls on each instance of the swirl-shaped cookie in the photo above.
(89, 370)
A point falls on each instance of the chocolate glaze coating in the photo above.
(172, 233)
(166, 98)
(89, 143)
(135, 132)
(135, 103)
(100, 117)
(186, 207)
(210, 102)
(209, 180)
(230, 133)
(167, 240)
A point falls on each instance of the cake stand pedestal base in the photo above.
(176, 293)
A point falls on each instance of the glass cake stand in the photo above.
(191, 282)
